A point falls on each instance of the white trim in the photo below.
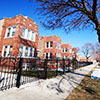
(11, 31)
(24, 50)
(3, 51)
(7, 50)
(49, 43)
(28, 35)
(64, 50)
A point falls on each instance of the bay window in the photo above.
(28, 34)
(25, 51)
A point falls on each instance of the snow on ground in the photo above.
(96, 74)
(50, 89)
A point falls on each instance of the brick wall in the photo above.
(52, 50)
(69, 50)
(20, 22)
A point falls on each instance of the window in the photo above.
(51, 55)
(10, 32)
(49, 44)
(73, 52)
(21, 51)
(70, 57)
(26, 51)
(7, 50)
(58, 55)
(31, 52)
(28, 34)
(70, 50)
(13, 31)
(58, 45)
(26, 66)
(48, 55)
(33, 36)
(23, 32)
(65, 57)
(10, 50)
(64, 49)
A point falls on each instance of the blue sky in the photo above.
(11, 8)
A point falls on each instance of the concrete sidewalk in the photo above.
(50, 89)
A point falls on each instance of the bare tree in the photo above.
(70, 14)
(87, 50)
(97, 52)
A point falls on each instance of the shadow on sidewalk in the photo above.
(80, 74)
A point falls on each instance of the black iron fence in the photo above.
(8, 75)
(16, 71)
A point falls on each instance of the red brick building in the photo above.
(66, 51)
(18, 37)
(75, 53)
(50, 47)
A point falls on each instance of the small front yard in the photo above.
(88, 89)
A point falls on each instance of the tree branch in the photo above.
(94, 8)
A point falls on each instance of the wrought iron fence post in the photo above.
(56, 66)
(45, 68)
(0, 60)
(63, 65)
(19, 71)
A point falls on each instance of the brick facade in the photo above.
(54, 49)
(66, 51)
(45, 47)
(75, 53)
(16, 41)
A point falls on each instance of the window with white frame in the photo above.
(58, 46)
(48, 55)
(49, 44)
(65, 57)
(58, 55)
(70, 50)
(64, 50)
(70, 57)
(73, 52)
(25, 51)
(7, 51)
(10, 32)
(28, 34)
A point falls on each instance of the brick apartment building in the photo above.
(18, 37)
(74, 53)
(50, 47)
(66, 51)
